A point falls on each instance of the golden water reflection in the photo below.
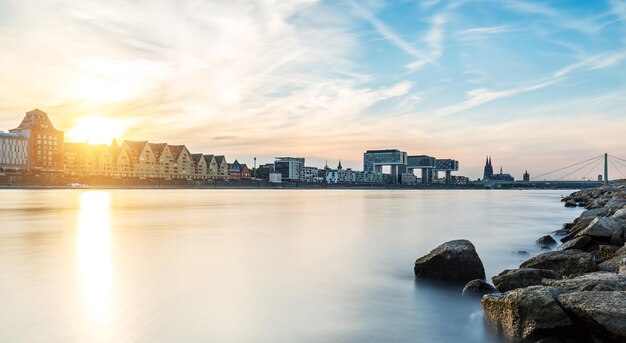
(93, 247)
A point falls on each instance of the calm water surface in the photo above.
(251, 265)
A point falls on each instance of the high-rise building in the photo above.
(45, 143)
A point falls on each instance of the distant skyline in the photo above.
(537, 85)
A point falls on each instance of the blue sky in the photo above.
(535, 84)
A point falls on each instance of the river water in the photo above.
(252, 265)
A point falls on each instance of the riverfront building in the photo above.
(45, 143)
(238, 170)
(401, 163)
(291, 168)
(13, 153)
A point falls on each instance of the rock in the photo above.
(607, 251)
(525, 313)
(588, 282)
(602, 312)
(566, 262)
(598, 212)
(620, 214)
(577, 243)
(545, 241)
(615, 204)
(601, 227)
(571, 203)
(478, 288)
(454, 261)
(519, 278)
(581, 224)
(611, 265)
(622, 267)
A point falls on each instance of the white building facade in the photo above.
(13, 153)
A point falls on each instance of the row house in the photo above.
(143, 160)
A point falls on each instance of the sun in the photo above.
(96, 130)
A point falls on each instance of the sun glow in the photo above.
(96, 130)
(93, 247)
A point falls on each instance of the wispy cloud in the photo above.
(432, 39)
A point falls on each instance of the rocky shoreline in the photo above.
(575, 293)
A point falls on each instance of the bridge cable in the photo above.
(573, 165)
(592, 168)
(616, 167)
(621, 159)
(585, 166)
(618, 160)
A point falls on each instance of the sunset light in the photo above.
(96, 130)
(313, 170)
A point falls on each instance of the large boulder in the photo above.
(620, 214)
(571, 203)
(455, 261)
(577, 243)
(545, 242)
(602, 312)
(598, 212)
(602, 227)
(525, 313)
(519, 278)
(589, 282)
(478, 287)
(566, 262)
(580, 224)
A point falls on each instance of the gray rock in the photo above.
(611, 265)
(601, 227)
(620, 214)
(478, 288)
(615, 204)
(454, 261)
(546, 241)
(570, 203)
(577, 243)
(601, 312)
(564, 262)
(525, 313)
(588, 282)
(622, 267)
(598, 212)
(519, 278)
(580, 225)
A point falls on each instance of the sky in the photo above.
(537, 85)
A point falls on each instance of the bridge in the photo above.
(592, 172)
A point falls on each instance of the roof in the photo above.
(11, 135)
(158, 148)
(36, 119)
(208, 158)
(135, 147)
(196, 157)
(382, 151)
(176, 150)
(220, 159)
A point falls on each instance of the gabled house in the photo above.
(183, 164)
(237, 170)
(222, 167)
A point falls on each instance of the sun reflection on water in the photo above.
(93, 246)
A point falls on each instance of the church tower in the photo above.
(488, 171)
